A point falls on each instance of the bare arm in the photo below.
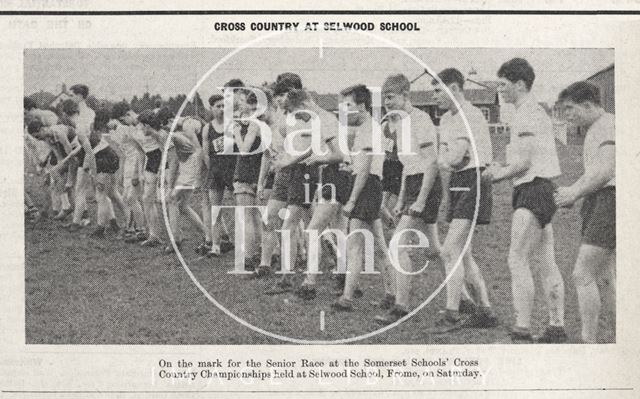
(63, 161)
(430, 172)
(89, 157)
(182, 140)
(62, 138)
(265, 165)
(458, 153)
(205, 146)
(364, 159)
(593, 178)
(517, 166)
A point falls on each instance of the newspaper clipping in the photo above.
(347, 200)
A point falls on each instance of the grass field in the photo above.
(81, 290)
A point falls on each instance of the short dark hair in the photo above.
(80, 89)
(148, 117)
(163, 115)
(69, 107)
(449, 76)
(237, 85)
(214, 99)
(34, 127)
(119, 110)
(291, 77)
(295, 98)
(518, 69)
(234, 83)
(360, 93)
(581, 92)
(252, 97)
(101, 119)
(397, 84)
(29, 104)
(285, 82)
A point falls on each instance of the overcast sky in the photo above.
(121, 73)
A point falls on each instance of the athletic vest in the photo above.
(224, 163)
(248, 166)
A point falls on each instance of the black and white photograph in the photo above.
(313, 195)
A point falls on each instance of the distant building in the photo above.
(484, 98)
(604, 79)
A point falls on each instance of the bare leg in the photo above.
(453, 261)
(269, 235)
(591, 260)
(322, 216)
(551, 278)
(251, 224)
(525, 231)
(355, 257)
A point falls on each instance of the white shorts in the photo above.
(133, 191)
(131, 165)
(189, 173)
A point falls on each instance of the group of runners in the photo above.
(357, 174)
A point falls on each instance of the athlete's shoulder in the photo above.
(420, 116)
(604, 127)
(472, 111)
(446, 118)
(608, 121)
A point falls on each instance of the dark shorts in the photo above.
(52, 159)
(281, 181)
(219, 179)
(268, 185)
(336, 184)
(154, 159)
(599, 218)
(412, 189)
(302, 185)
(248, 168)
(107, 161)
(80, 157)
(369, 202)
(392, 176)
(462, 204)
(537, 197)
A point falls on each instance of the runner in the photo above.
(302, 177)
(365, 200)
(133, 170)
(147, 126)
(458, 157)
(333, 188)
(219, 177)
(41, 156)
(245, 178)
(84, 185)
(532, 161)
(270, 255)
(107, 164)
(189, 155)
(421, 190)
(86, 162)
(597, 252)
(60, 140)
